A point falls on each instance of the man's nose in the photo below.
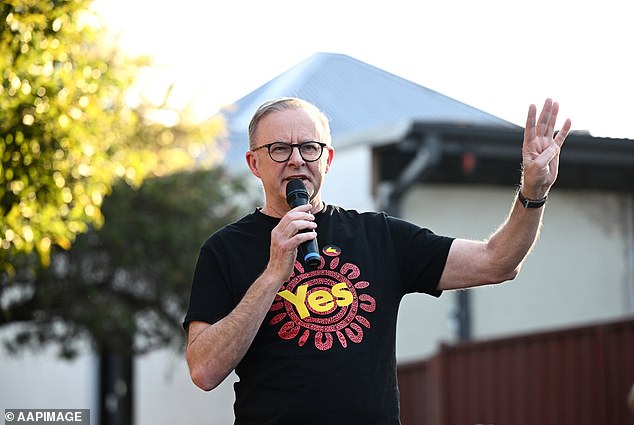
(296, 156)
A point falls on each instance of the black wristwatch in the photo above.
(530, 203)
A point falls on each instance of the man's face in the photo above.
(289, 126)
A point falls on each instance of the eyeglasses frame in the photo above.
(292, 145)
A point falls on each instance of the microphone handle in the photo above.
(309, 250)
(310, 253)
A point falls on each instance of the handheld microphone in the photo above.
(296, 195)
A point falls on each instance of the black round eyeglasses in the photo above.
(281, 152)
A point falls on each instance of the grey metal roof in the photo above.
(357, 97)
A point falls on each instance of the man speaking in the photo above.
(313, 342)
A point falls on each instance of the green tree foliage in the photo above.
(66, 132)
(132, 276)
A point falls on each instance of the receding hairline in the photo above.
(284, 104)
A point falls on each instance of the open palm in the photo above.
(541, 148)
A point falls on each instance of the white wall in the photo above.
(425, 322)
(578, 272)
(165, 394)
(41, 381)
(348, 184)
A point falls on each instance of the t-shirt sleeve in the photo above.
(210, 298)
(423, 255)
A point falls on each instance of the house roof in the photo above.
(357, 97)
(395, 117)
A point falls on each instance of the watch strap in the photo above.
(531, 203)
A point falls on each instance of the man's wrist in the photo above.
(529, 202)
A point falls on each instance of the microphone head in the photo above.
(296, 193)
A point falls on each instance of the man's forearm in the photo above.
(499, 258)
(214, 350)
(514, 240)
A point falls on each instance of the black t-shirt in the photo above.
(325, 353)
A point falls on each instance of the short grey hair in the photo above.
(286, 103)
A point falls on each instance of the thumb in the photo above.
(548, 155)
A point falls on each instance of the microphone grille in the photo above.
(295, 185)
(296, 190)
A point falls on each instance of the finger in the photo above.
(302, 237)
(529, 131)
(552, 120)
(550, 153)
(296, 221)
(298, 226)
(544, 117)
(563, 133)
(300, 212)
(302, 208)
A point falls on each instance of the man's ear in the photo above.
(331, 154)
(252, 162)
